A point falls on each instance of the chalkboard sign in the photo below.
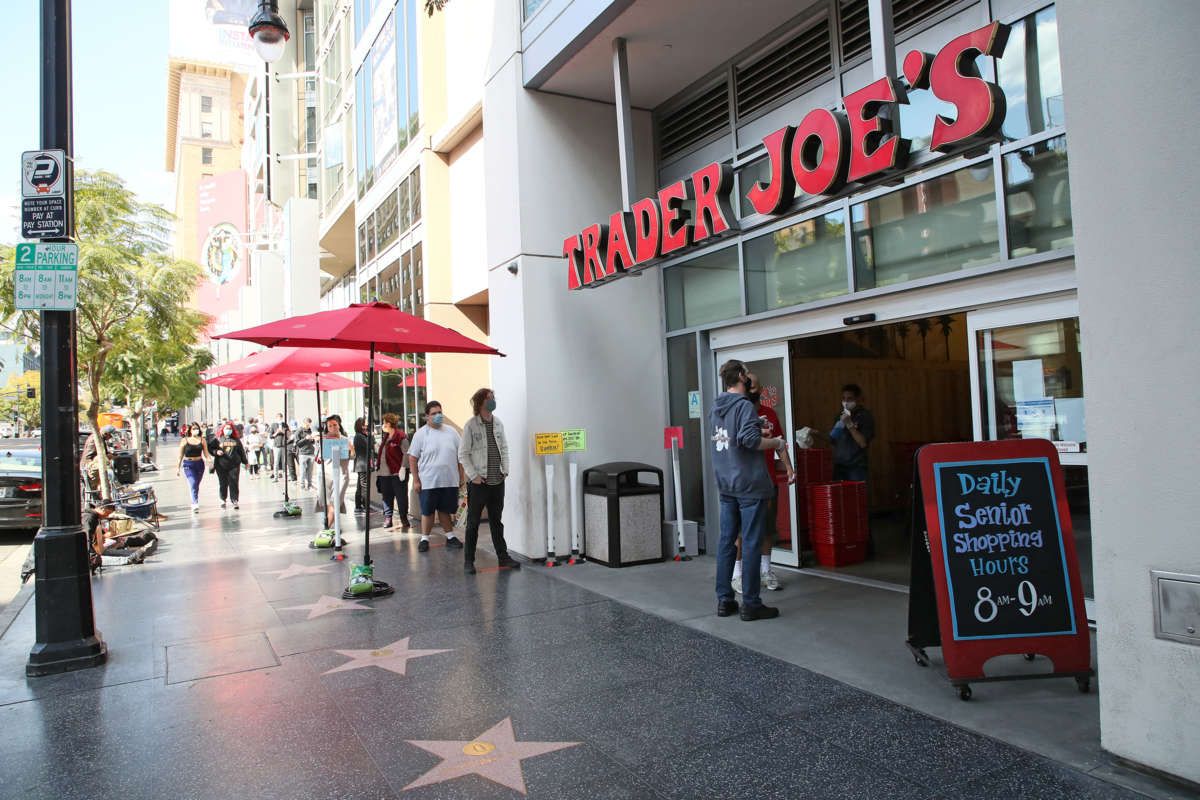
(1002, 549)
(994, 567)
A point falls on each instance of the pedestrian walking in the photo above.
(228, 458)
(254, 444)
(193, 456)
(744, 487)
(483, 453)
(362, 465)
(306, 448)
(292, 453)
(333, 430)
(433, 460)
(393, 471)
(279, 437)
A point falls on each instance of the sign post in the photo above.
(549, 444)
(997, 566)
(333, 452)
(575, 441)
(673, 440)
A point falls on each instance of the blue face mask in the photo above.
(490, 405)
(436, 419)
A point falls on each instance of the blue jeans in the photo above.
(740, 516)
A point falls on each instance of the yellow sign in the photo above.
(547, 444)
(575, 440)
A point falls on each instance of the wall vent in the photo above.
(796, 62)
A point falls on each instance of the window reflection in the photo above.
(1030, 76)
(1038, 198)
(797, 264)
(704, 289)
(943, 224)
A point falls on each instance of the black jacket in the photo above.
(305, 444)
(227, 453)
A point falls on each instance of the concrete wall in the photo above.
(585, 359)
(1130, 85)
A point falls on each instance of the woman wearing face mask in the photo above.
(193, 453)
(853, 430)
(254, 448)
(333, 430)
(483, 454)
(362, 467)
(228, 458)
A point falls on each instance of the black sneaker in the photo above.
(759, 612)
(423, 547)
(387, 520)
(453, 543)
(727, 608)
(469, 567)
(510, 562)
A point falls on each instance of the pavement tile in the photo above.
(1033, 776)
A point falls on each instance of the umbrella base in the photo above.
(378, 589)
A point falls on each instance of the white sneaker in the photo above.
(235, 505)
(737, 584)
(222, 504)
(195, 508)
(771, 581)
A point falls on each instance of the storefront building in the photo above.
(968, 288)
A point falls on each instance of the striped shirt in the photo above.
(493, 476)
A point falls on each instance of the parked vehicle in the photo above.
(20, 488)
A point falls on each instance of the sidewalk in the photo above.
(234, 671)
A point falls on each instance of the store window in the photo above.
(941, 225)
(797, 264)
(414, 189)
(206, 155)
(205, 104)
(1037, 198)
(1030, 76)
(683, 379)
(405, 206)
(370, 237)
(386, 228)
(362, 246)
(205, 130)
(418, 282)
(704, 289)
(406, 283)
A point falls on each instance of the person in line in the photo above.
(744, 487)
(393, 471)
(91, 453)
(770, 428)
(292, 454)
(270, 432)
(254, 449)
(279, 437)
(228, 458)
(193, 456)
(483, 454)
(306, 447)
(433, 460)
(362, 465)
(333, 430)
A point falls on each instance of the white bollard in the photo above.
(550, 558)
(576, 556)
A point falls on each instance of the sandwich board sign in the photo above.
(45, 276)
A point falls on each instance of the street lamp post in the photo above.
(67, 638)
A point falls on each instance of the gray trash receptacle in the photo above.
(623, 514)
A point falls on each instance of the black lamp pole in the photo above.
(67, 638)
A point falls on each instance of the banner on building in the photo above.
(215, 31)
(220, 233)
(383, 92)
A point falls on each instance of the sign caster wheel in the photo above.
(1083, 684)
(1030, 656)
(921, 659)
(964, 693)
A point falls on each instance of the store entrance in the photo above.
(916, 386)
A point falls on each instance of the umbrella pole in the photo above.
(370, 452)
(285, 460)
(321, 449)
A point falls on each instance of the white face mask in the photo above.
(849, 405)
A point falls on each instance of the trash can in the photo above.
(124, 465)
(623, 514)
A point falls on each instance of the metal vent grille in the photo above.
(794, 63)
(856, 29)
(695, 121)
(906, 14)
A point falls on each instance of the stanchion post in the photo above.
(682, 556)
(551, 559)
(576, 556)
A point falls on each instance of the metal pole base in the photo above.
(67, 638)
(378, 589)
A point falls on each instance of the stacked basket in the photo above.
(812, 466)
(837, 522)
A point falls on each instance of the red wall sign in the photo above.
(821, 155)
(672, 435)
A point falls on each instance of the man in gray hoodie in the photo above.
(745, 488)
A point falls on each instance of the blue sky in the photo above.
(120, 68)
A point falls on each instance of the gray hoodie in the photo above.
(736, 431)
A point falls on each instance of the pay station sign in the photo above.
(43, 194)
(45, 276)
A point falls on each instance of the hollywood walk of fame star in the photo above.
(494, 754)
(327, 605)
(297, 569)
(392, 657)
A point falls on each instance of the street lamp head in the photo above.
(269, 30)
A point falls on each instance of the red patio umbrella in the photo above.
(413, 380)
(312, 360)
(363, 326)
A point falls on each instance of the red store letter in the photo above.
(955, 79)
(676, 230)
(595, 239)
(571, 248)
(779, 193)
(619, 225)
(646, 225)
(714, 214)
(874, 148)
(825, 132)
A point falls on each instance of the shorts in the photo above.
(443, 498)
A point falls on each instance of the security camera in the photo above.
(513, 268)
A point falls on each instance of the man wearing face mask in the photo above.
(228, 458)
(745, 489)
(484, 458)
(853, 430)
(436, 473)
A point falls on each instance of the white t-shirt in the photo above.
(436, 451)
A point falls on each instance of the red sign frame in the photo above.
(965, 658)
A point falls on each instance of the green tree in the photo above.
(128, 285)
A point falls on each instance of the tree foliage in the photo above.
(134, 326)
(434, 5)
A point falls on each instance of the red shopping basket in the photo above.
(812, 466)
(837, 513)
